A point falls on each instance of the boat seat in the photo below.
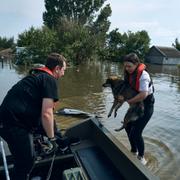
(96, 164)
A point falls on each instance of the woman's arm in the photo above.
(143, 89)
(139, 97)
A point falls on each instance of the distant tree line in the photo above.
(79, 29)
(6, 43)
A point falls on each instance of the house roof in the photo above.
(168, 51)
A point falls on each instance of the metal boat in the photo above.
(98, 156)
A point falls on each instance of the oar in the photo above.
(4, 159)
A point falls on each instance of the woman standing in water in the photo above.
(136, 75)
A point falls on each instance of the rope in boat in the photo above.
(51, 167)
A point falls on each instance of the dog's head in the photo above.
(112, 81)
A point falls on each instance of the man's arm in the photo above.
(48, 117)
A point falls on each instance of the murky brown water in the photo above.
(82, 90)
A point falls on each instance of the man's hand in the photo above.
(52, 146)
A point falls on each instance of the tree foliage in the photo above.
(176, 44)
(81, 25)
(77, 10)
(75, 41)
(6, 43)
(101, 25)
(119, 44)
(38, 44)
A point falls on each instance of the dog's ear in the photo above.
(115, 77)
(120, 98)
(107, 83)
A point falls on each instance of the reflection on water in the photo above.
(165, 69)
(83, 90)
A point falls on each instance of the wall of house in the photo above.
(154, 59)
(171, 61)
(154, 52)
(154, 56)
(162, 60)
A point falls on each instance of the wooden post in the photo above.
(2, 61)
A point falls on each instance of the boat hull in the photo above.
(99, 155)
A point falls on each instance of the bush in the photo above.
(38, 44)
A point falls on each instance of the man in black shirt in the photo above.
(31, 99)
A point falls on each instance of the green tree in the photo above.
(122, 44)
(38, 44)
(137, 42)
(6, 43)
(115, 48)
(75, 41)
(77, 10)
(176, 44)
(101, 26)
(81, 26)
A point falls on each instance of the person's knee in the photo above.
(21, 170)
(31, 163)
(135, 135)
(25, 165)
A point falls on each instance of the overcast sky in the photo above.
(160, 18)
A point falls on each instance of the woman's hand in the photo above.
(139, 97)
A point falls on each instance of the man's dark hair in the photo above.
(132, 57)
(55, 59)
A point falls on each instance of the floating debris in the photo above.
(73, 112)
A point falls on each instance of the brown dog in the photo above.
(122, 92)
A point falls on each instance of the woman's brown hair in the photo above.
(132, 57)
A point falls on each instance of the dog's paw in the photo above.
(115, 114)
(117, 129)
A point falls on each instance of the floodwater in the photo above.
(81, 88)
